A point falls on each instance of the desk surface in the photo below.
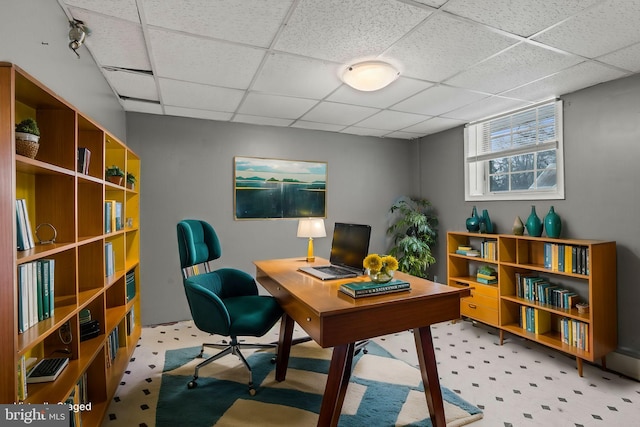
(323, 311)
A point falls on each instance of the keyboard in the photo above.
(47, 370)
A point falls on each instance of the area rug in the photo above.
(383, 391)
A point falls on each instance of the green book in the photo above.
(362, 289)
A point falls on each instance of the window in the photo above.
(516, 156)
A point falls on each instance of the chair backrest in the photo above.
(198, 243)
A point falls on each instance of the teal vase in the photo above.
(473, 222)
(553, 224)
(533, 224)
(487, 222)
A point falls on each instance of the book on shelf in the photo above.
(24, 234)
(486, 281)
(35, 292)
(468, 252)
(109, 259)
(84, 157)
(130, 282)
(363, 289)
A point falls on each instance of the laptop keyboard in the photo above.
(336, 271)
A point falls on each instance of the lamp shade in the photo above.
(370, 75)
(311, 227)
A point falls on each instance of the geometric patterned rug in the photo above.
(383, 391)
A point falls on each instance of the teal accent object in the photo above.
(487, 222)
(473, 222)
(553, 224)
(534, 225)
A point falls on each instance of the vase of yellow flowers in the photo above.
(380, 268)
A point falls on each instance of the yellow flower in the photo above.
(389, 263)
(373, 262)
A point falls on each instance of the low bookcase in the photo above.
(539, 282)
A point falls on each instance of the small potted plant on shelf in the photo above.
(27, 137)
(115, 175)
(131, 181)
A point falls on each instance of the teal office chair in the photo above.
(223, 301)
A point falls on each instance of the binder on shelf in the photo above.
(84, 157)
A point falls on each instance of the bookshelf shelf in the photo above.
(531, 270)
(61, 189)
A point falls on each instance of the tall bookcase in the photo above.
(73, 202)
(531, 298)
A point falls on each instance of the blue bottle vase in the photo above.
(552, 224)
(534, 224)
(473, 222)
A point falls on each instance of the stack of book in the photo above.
(467, 250)
(487, 275)
(366, 289)
(574, 333)
(88, 328)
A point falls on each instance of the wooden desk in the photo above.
(336, 320)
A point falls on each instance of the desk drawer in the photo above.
(478, 312)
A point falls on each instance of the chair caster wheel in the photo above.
(192, 384)
(273, 360)
(252, 391)
(365, 351)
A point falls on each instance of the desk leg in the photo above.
(429, 371)
(337, 383)
(284, 347)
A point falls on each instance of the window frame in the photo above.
(476, 166)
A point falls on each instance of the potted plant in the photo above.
(414, 232)
(27, 137)
(115, 175)
(131, 181)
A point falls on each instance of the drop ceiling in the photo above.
(278, 62)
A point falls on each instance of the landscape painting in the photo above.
(273, 188)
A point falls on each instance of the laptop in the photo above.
(349, 247)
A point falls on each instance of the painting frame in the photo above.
(270, 188)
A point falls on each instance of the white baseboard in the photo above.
(623, 364)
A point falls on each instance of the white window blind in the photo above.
(516, 155)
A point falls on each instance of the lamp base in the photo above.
(310, 257)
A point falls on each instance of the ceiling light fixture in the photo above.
(368, 76)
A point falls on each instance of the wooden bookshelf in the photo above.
(73, 202)
(532, 274)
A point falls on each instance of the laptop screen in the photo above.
(350, 245)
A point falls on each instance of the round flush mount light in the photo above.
(370, 75)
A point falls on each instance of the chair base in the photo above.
(233, 347)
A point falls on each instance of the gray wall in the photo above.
(187, 172)
(602, 183)
(34, 36)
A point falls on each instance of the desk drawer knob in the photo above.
(472, 306)
(308, 319)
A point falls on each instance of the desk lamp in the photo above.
(311, 227)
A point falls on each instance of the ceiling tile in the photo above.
(123, 9)
(627, 58)
(133, 85)
(253, 22)
(282, 107)
(432, 3)
(340, 114)
(344, 31)
(522, 17)
(397, 91)
(183, 57)
(434, 125)
(107, 38)
(198, 114)
(258, 120)
(391, 120)
(296, 76)
(443, 46)
(486, 108)
(597, 31)
(438, 100)
(141, 106)
(317, 126)
(199, 97)
(580, 76)
(514, 67)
